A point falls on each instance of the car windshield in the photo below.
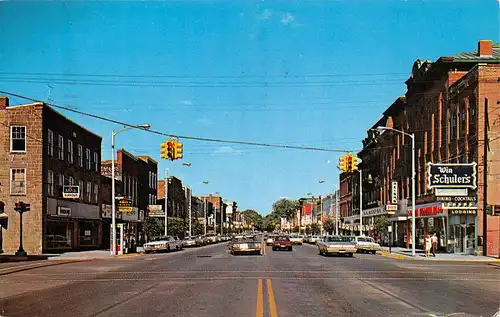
(283, 238)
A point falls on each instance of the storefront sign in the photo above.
(106, 212)
(374, 211)
(427, 211)
(457, 198)
(451, 175)
(391, 208)
(124, 205)
(462, 211)
(63, 211)
(155, 211)
(394, 192)
(451, 192)
(71, 192)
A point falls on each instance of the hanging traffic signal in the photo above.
(170, 150)
(349, 163)
(343, 163)
(354, 164)
(164, 150)
(177, 150)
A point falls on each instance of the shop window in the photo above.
(59, 235)
(18, 139)
(18, 181)
(87, 234)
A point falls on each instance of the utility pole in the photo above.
(189, 209)
(337, 209)
(205, 215)
(485, 178)
(166, 202)
(360, 202)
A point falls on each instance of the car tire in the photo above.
(168, 247)
(274, 249)
(320, 251)
(289, 249)
(374, 252)
(350, 255)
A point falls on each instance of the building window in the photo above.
(80, 155)
(80, 187)
(50, 142)
(96, 162)
(61, 180)
(88, 192)
(18, 181)
(463, 119)
(70, 151)
(71, 181)
(150, 179)
(18, 139)
(453, 127)
(87, 158)
(133, 191)
(149, 199)
(60, 145)
(96, 192)
(50, 183)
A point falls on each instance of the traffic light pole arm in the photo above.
(396, 130)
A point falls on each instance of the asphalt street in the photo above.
(210, 282)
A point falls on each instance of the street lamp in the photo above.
(205, 211)
(412, 136)
(113, 204)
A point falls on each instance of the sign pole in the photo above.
(21, 251)
(485, 178)
(166, 202)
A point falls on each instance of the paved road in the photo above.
(210, 282)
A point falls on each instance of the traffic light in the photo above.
(22, 207)
(170, 150)
(349, 163)
(354, 164)
(343, 163)
(177, 150)
(164, 150)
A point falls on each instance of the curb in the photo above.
(405, 257)
(36, 266)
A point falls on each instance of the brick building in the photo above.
(214, 214)
(176, 197)
(444, 107)
(136, 180)
(41, 151)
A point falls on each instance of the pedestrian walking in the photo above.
(434, 241)
(428, 244)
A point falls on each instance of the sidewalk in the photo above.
(404, 253)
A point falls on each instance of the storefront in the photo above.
(430, 218)
(462, 230)
(71, 226)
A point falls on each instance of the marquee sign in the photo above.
(443, 175)
(71, 192)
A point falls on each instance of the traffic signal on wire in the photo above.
(177, 150)
(170, 150)
(343, 163)
(354, 164)
(164, 150)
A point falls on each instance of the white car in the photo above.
(270, 240)
(367, 245)
(163, 243)
(297, 239)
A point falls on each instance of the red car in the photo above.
(282, 243)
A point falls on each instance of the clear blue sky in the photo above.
(312, 73)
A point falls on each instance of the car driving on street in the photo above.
(163, 243)
(245, 245)
(282, 243)
(337, 245)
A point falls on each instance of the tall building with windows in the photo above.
(42, 153)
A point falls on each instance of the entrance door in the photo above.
(462, 234)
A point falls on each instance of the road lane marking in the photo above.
(272, 301)
(259, 310)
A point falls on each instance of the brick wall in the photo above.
(31, 117)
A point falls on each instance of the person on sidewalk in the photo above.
(434, 241)
(428, 244)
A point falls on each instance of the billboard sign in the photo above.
(71, 192)
(155, 211)
(444, 175)
(124, 205)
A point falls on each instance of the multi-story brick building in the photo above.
(136, 180)
(444, 107)
(214, 215)
(41, 151)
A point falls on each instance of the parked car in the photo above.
(367, 245)
(163, 243)
(337, 245)
(211, 238)
(282, 243)
(313, 239)
(244, 245)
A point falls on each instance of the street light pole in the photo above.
(360, 203)
(166, 202)
(189, 208)
(413, 213)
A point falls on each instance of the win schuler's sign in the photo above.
(441, 175)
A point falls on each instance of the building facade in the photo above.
(42, 153)
(445, 109)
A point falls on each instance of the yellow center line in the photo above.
(259, 312)
(272, 301)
